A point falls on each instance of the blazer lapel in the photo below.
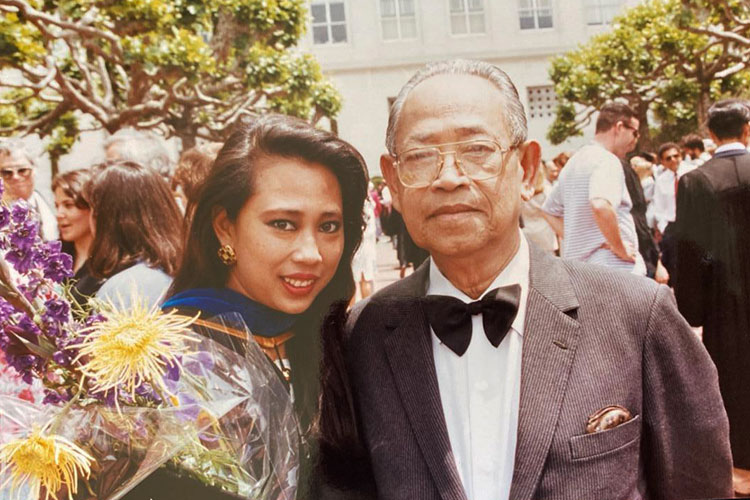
(409, 350)
(549, 344)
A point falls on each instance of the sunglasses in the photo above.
(632, 129)
(9, 173)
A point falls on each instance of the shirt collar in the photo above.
(517, 271)
(732, 146)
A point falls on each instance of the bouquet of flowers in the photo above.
(128, 392)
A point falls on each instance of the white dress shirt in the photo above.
(731, 146)
(665, 194)
(480, 390)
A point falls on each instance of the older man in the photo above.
(141, 147)
(496, 371)
(19, 173)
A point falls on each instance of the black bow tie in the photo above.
(450, 318)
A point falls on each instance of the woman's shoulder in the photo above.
(140, 280)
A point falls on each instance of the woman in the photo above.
(535, 227)
(73, 213)
(274, 230)
(136, 226)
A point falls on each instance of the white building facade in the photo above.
(370, 48)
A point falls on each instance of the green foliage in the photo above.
(189, 68)
(649, 59)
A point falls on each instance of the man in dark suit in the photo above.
(564, 381)
(712, 281)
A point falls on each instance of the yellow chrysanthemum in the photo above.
(41, 461)
(132, 347)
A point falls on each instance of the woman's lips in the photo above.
(299, 284)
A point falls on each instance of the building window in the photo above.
(467, 17)
(601, 11)
(535, 14)
(398, 19)
(328, 21)
(542, 101)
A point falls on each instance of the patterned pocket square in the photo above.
(608, 417)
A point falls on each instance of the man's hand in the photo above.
(661, 274)
(606, 218)
(624, 251)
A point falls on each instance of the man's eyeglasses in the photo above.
(632, 129)
(477, 159)
(8, 173)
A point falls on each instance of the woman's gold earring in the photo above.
(227, 255)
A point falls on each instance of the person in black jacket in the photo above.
(712, 281)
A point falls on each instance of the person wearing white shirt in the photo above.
(484, 382)
(19, 175)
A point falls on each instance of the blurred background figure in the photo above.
(192, 169)
(365, 262)
(145, 148)
(636, 171)
(556, 165)
(137, 232)
(73, 214)
(18, 170)
(694, 151)
(535, 226)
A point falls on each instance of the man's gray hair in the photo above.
(142, 147)
(515, 118)
(14, 146)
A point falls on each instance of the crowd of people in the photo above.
(579, 381)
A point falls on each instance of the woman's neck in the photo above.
(82, 246)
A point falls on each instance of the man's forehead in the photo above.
(14, 160)
(464, 104)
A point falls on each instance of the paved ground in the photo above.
(387, 271)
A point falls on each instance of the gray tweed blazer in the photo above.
(593, 337)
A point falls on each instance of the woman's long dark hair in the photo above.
(137, 219)
(230, 184)
(72, 184)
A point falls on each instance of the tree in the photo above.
(188, 68)
(662, 70)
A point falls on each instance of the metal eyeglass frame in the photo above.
(456, 160)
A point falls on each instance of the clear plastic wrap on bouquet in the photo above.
(226, 421)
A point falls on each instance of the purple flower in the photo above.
(56, 310)
(53, 397)
(173, 370)
(21, 259)
(24, 365)
(6, 310)
(58, 267)
(94, 319)
(20, 211)
(189, 408)
(63, 358)
(26, 325)
(24, 235)
(199, 363)
(4, 216)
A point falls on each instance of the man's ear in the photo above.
(223, 226)
(388, 169)
(745, 134)
(530, 155)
